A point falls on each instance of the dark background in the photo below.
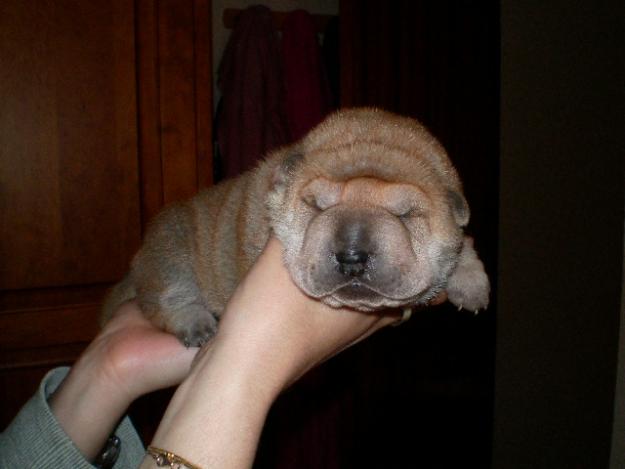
(560, 233)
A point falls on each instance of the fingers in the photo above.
(169, 369)
(136, 356)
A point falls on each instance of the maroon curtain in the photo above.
(307, 92)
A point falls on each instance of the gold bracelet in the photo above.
(168, 459)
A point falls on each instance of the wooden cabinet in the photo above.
(105, 116)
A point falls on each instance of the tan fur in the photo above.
(369, 210)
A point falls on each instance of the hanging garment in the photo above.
(252, 120)
(307, 92)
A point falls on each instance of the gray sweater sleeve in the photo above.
(35, 440)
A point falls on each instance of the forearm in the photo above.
(88, 409)
(35, 439)
(129, 358)
(217, 414)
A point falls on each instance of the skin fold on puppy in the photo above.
(368, 207)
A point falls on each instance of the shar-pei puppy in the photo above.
(368, 207)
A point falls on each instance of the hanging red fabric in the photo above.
(307, 91)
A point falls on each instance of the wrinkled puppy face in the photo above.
(367, 243)
(369, 210)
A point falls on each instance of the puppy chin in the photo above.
(337, 302)
(367, 300)
(363, 299)
(358, 296)
(352, 295)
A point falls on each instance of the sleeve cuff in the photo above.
(35, 439)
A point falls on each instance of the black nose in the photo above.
(352, 262)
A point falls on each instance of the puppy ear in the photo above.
(287, 167)
(459, 207)
(282, 175)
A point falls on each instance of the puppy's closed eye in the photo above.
(322, 193)
(406, 201)
(412, 212)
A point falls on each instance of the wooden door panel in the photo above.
(175, 100)
(105, 115)
(69, 198)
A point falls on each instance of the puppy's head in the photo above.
(369, 210)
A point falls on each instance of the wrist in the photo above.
(231, 368)
(222, 397)
(88, 407)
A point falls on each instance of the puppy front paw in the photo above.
(468, 286)
(191, 323)
(198, 334)
(196, 331)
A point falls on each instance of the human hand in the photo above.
(136, 356)
(283, 331)
(128, 358)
